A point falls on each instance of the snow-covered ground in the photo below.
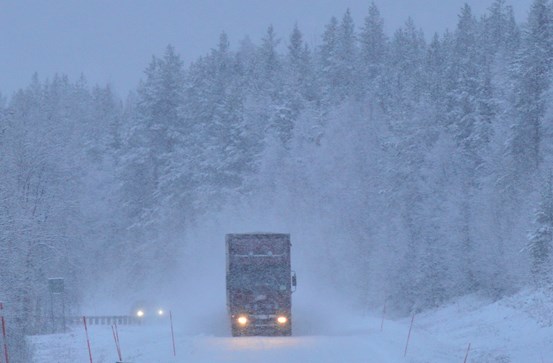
(516, 329)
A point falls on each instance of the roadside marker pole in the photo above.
(87, 339)
(4, 335)
(118, 342)
(467, 355)
(172, 333)
(409, 335)
(116, 339)
(383, 314)
(2, 314)
(5, 340)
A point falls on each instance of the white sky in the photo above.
(112, 41)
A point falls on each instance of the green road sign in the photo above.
(55, 285)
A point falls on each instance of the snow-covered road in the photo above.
(508, 331)
(359, 342)
(143, 344)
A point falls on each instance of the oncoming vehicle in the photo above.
(148, 312)
(259, 284)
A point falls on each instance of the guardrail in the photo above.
(106, 320)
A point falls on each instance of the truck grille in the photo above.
(263, 320)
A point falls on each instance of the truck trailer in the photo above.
(259, 284)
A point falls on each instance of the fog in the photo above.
(196, 293)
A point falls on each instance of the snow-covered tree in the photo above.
(373, 50)
(540, 241)
(533, 75)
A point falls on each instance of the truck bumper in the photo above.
(269, 331)
(265, 326)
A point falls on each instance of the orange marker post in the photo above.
(4, 335)
(172, 333)
(409, 335)
(87, 339)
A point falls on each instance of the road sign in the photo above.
(55, 285)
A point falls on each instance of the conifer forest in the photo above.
(409, 168)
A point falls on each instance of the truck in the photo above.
(259, 284)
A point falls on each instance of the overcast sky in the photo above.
(112, 41)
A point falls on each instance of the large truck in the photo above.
(259, 283)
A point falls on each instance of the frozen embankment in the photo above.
(516, 329)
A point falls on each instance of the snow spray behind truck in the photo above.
(260, 283)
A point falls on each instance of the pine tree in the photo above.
(464, 123)
(464, 71)
(346, 48)
(540, 241)
(373, 50)
(296, 50)
(338, 57)
(328, 57)
(534, 66)
(269, 59)
(435, 68)
(300, 76)
(405, 77)
(152, 133)
(501, 32)
(297, 85)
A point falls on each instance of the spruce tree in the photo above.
(540, 241)
(347, 64)
(373, 50)
(533, 74)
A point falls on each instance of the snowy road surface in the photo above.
(153, 344)
(514, 330)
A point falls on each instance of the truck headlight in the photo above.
(242, 320)
(282, 320)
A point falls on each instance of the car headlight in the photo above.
(242, 320)
(282, 320)
(140, 313)
(160, 312)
